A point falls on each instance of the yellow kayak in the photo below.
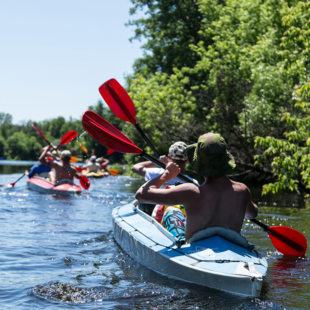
(100, 174)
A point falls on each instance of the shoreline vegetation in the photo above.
(240, 69)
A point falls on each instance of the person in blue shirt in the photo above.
(40, 170)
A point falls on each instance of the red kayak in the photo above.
(43, 186)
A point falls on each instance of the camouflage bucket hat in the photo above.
(209, 157)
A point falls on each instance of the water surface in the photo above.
(59, 253)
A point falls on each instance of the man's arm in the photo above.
(251, 210)
(140, 168)
(43, 160)
(151, 192)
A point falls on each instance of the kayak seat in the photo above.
(223, 232)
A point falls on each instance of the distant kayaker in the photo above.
(219, 201)
(64, 172)
(103, 163)
(92, 165)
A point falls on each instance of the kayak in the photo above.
(95, 174)
(43, 186)
(213, 262)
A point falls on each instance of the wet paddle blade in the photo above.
(118, 100)
(109, 152)
(107, 135)
(113, 172)
(39, 131)
(288, 241)
(68, 137)
(8, 185)
(83, 148)
(78, 169)
(73, 159)
(85, 183)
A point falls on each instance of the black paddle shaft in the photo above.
(162, 165)
(147, 140)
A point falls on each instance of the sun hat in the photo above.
(65, 154)
(178, 151)
(209, 156)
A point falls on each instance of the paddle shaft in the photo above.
(147, 140)
(20, 177)
(162, 165)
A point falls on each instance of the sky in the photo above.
(54, 55)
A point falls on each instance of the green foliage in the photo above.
(22, 142)
(290, 156)
(252, 67)
(169, 27)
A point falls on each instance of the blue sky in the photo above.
(55, 54)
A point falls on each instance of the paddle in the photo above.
(286, 240)
(122, 106)
(84, 181)
(68, 137)
(113, 172)
(109, 152)
(83, 148)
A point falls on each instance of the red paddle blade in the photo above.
(109, 152)
(49, 158)
(39, 131)
(118, 100)
(107, 135)
(78, 169)
(85, 183)
(68, 137)
(8, 185)
(288, 241)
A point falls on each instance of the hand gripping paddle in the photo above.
(286, 240)
(122, 106)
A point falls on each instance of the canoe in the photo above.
(95, 174)
(43, 186)
(214, 262)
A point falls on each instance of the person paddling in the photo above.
(64, 172)
(92, 165)
(218, 202)
(148, 170)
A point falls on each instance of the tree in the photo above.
(290, 153)
(169, 28)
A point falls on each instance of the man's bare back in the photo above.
(63, 170)
(219, 201)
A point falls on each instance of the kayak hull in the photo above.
(45, 187)
(214, 262)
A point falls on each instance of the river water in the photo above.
(59, 253)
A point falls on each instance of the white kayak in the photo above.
(214, 262)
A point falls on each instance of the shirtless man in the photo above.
(64, 172)
(219, 201)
